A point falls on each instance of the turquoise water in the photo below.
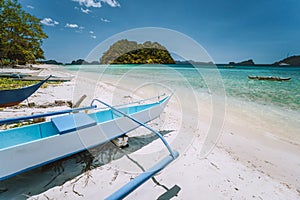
(285, 94)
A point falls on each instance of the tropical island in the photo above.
(288, 61)
(291, 60)
(131, 52)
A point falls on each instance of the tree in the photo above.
(21, 34)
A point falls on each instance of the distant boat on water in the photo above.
(270, 78)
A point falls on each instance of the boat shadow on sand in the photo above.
(57, 173)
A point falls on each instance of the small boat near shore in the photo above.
(27, 147)
(269, 78)
(16, 96)
(39, 78)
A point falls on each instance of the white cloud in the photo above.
(81, 28)
(49, 22)
(86, 11)
(97, 3)
(71, 25)
(112, 3)
(30, 6)
(89, 3)
(92, 34)
(105, 20)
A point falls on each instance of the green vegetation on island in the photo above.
(21, 35)
(130, 52)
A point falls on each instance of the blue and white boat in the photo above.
(28, 147)
(16, 96)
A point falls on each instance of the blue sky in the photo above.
(229, 30)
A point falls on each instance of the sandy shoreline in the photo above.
(247, 163)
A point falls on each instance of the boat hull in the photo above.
(269, 78)
(21, 158)
(16, 96)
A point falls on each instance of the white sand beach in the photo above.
(252, 159)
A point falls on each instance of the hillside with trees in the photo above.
(21, 35)
(292, 60)
(130, 52)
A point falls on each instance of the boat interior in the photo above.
(63, 124)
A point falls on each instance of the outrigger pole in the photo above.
(17, 119)
(142, 178)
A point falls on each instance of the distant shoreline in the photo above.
(202, 65)
(181, 65)
(292, 61)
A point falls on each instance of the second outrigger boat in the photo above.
(15, 96)
(38, 78)
(270, 78)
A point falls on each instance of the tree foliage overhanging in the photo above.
(130, 52)
(21, 34)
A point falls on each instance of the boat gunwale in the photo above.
(158, 103)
